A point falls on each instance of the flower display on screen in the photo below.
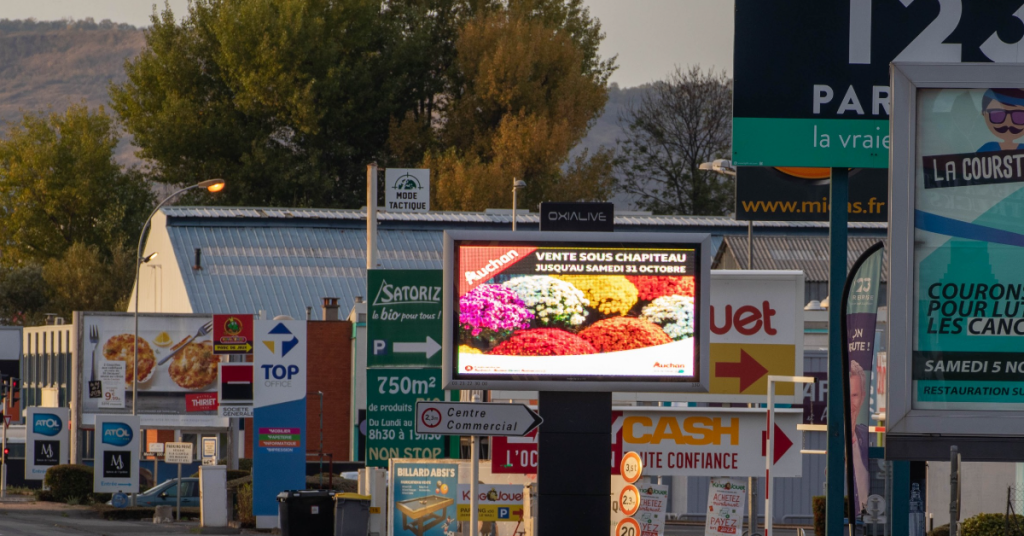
(609, 294)
(553, 302)
(624, 333)
(652, 287)
(467, 349)
(542, 342)
(491, 313)
(674, 314)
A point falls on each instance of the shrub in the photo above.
(818, 509)
(101, 498)
(243, 506)
(940, 531)
(44, 495)
(245, 464)
(69, 481)
(991, 525)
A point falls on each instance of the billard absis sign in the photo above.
(572, 311)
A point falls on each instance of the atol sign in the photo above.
(279, 406)
(46, 440)
(710, 441)
(232, 334)
(117, 454)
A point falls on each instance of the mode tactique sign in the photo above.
(811, 78)
(407, 190)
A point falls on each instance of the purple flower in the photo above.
(492, 313)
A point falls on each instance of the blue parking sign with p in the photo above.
(503, 513)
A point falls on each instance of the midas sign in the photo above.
(710, 441)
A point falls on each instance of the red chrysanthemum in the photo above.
(652, 287)
(624, 333)
(543, 341)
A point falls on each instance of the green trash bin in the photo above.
(351, 514)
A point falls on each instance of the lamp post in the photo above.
(516, 186)
(213, 185)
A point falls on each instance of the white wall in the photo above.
(161, 288)
(984, 489)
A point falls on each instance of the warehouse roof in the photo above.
(282, 260)
(807, 253)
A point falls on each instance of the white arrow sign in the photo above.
(471, 418)
(429, 347)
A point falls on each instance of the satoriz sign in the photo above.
(577, 217)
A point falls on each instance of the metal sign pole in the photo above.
(837, 279)
(474, 476)
(3, 467)
(178, 494)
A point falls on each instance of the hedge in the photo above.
(69, 482)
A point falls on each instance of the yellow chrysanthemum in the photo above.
(609, 294)
(466, 349)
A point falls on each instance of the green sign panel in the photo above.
(861, 143)
(403, 325)
(390, 409)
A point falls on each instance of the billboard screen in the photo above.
(579, 309)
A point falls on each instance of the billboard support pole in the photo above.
(474, 476)
(837, 279)
(371, 217)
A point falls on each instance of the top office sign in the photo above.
(812, 78)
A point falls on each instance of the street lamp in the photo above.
(516, 186)
(212, 185)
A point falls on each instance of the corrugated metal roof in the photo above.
(282, 270)
(807, 253)
(491, 217)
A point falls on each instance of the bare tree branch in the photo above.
(682, 122)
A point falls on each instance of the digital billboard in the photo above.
(571, 311)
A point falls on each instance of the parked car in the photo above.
(166, 494)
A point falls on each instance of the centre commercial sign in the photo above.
(811, 78)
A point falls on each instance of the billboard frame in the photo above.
(699, 383)
(920, 434)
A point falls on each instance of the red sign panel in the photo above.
(518, 455)
(232, 334)
(201, 402)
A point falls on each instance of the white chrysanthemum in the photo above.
(674, 314)
(555, 302)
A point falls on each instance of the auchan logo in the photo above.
(695, 430)
(668, 365)
(746, 319)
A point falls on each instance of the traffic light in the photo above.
(15, 383)
(7, 450)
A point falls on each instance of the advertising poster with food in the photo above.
(424, 497)
(177, 369)
(550, 312)
(968, 250)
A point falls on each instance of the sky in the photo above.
(650, 37)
